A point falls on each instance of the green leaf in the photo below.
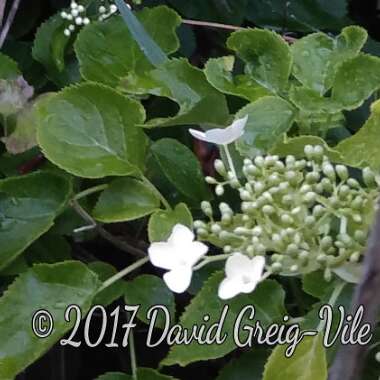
(49, 287)
(107, 51)
(142, 374)
(362, 149)
(307, 363)
(318, 56)
(90, 131)
(268, 119)
(8, 68)
(147, 45)
(186, 85)
(105, 271)
(181, 167)
(249, 366)
(49, 47)
(268, 300)
(162, 222)
(315, 284)
(356, 79)
(125, 199)
(296, 147)
(28, 207)
(267, 56)
(114, 376)
(219, 73)
(148, 291)
(311, 58)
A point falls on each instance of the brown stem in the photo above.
(217, 25)
(9, 22)
(349, 360)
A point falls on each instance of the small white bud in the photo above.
(102, 9)
(211, 180)
(73, 5)
(309, 151)
(81, 8)
(342, 172)
(219, 190)
(79, 20)
(113, 8)
(75, 12)
(71, 27)
(67, 33)
(86, 21)
(259, 161)
(64, 15)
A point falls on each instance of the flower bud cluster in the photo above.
(77, 15)
(304, 214)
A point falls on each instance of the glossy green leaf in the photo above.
(356, 79)
(318, 56)
(181, 167)
(186, 85)
(147, 45)
(307, 363)
(50, 46)
(8, 67)
(362, 149)
(219, 73)
(249, 366)
(49, 287)
(125, 199)
(267, 56)
(107, 51)
(147, 291)
(268, 119)
(110, 294)
(90, 131)
(268, 300)
(162, 222)
(311, 57)
(28, 207)
(114, 376)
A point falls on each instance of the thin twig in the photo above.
(349, 360)
(217, 25)
(122, 245)
(3, 4)
(9, 22)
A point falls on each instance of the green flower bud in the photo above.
(252, 170)
(226, 219)
(277, 258)
(274, 190)
(268, 210)
(355, 257)
(353, 183)
(216, 229)
(286, 219)
(326, 242)
(279, 166)
(309, 151)
(241, 231)
(312, 177)
(199, 224)
(292, 250)
(300, 165)
(291, 177)
(259, 161)
(260, 249)
(247, 162)
(267, 196)
(274, 179)
(310, 221)
(219, 190)
(290, 160)
(327, 275)
(360, 236)
(234, 183)
(377, 357)
(310, 197)
(321, 258)
(305, 188)
(276, 267)
(246, 218)
(344, 191)
(202, 233)
(245, 195)
(257, 231)
(269, 161)
(357, 218)
(318, 188)
(220, 168)
(304, 255)
(258, 187)
(342, 172)
(327, 185)
(227, 249)
(357, 203)
(206, 208)
(211, 180)
(369, 177)
(318, 211)
(224, 208)
(328, 171)
(287, 199)
(318, 151)
(294, 268)
(250, 250)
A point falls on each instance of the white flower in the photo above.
(222, 136)
(178, 255)
(242, 275)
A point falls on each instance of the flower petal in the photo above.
(237, 265)
(199, 135)
(179, 279)
(257, 266)
(194, 252)
(162, 255)
(228, 289)
(181, 235)
(239, 124)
